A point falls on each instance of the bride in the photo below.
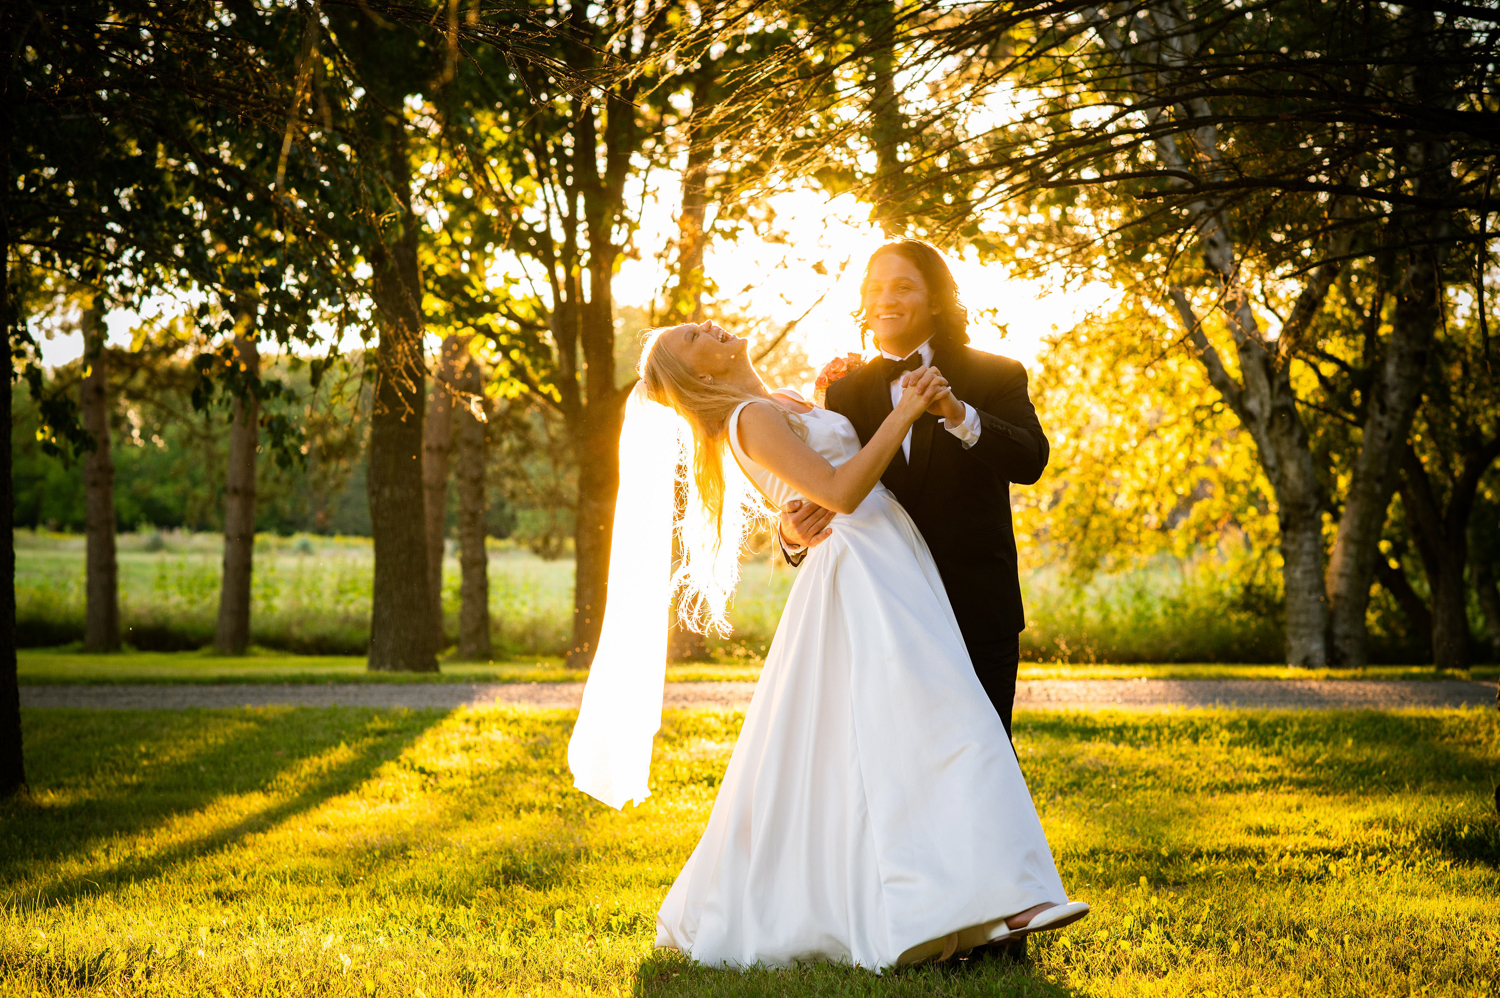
(873, 811)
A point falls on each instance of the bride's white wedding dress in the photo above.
(873, 811)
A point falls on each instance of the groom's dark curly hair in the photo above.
(952, 319)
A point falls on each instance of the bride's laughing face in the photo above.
(897, 305)
(709, 350)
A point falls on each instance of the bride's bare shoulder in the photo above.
(761, 421)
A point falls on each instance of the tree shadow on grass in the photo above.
(1472, 838)
(669, 975)
(267, 746)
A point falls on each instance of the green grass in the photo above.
(47, 667)
(427, 853)
(50, 667)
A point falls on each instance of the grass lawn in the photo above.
(431, 853)
(42, 667)
(45, 667)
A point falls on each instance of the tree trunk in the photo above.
(232, 636)
(1261, 398)
(1452, 641)
(595, 424)
(686, 301)
(402, 638)
(686, 304)
(1441, 534)
(12, 755)
(1489, 604)
(1418, 617)
(1392, 403)
(1299, 511)
(887, 127)
(1266, 406)
(471, 437)
(101, 629)
(597, 445)
(437, 444)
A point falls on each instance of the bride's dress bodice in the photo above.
(828, 433)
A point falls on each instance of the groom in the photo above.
(954, 471)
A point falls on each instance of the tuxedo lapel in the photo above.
(953, 362)
(950, 361)
(921, 449)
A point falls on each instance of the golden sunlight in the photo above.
(805, 266)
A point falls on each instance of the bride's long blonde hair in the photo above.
(720, 507)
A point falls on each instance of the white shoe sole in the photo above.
(1053, 918)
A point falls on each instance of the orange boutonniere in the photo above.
(832, 371)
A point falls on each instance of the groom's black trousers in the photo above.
(996, 662)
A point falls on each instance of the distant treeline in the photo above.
(170, 461)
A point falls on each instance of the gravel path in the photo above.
(1084, 694)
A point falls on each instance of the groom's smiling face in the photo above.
(897, 306)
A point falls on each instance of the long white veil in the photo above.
(610, 753)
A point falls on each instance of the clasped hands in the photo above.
(806, 524)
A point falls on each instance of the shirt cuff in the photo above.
(967, 431)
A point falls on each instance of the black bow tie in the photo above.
(890, 370)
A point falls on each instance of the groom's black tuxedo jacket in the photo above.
(960, 498)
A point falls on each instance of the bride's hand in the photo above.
(921, 389)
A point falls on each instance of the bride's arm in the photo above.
(770, 442)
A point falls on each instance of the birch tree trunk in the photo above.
(232, 636)
(101, 629)
(1266, 407)
(437, 445)
(1318, 607)
(1392, 403)
(1393, 400)
(471, 438)
(1261, 396)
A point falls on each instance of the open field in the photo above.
(52, 668)
(360, 852)
(311, 596)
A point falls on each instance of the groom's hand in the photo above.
(805, 524)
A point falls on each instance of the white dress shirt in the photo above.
(966, 431)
